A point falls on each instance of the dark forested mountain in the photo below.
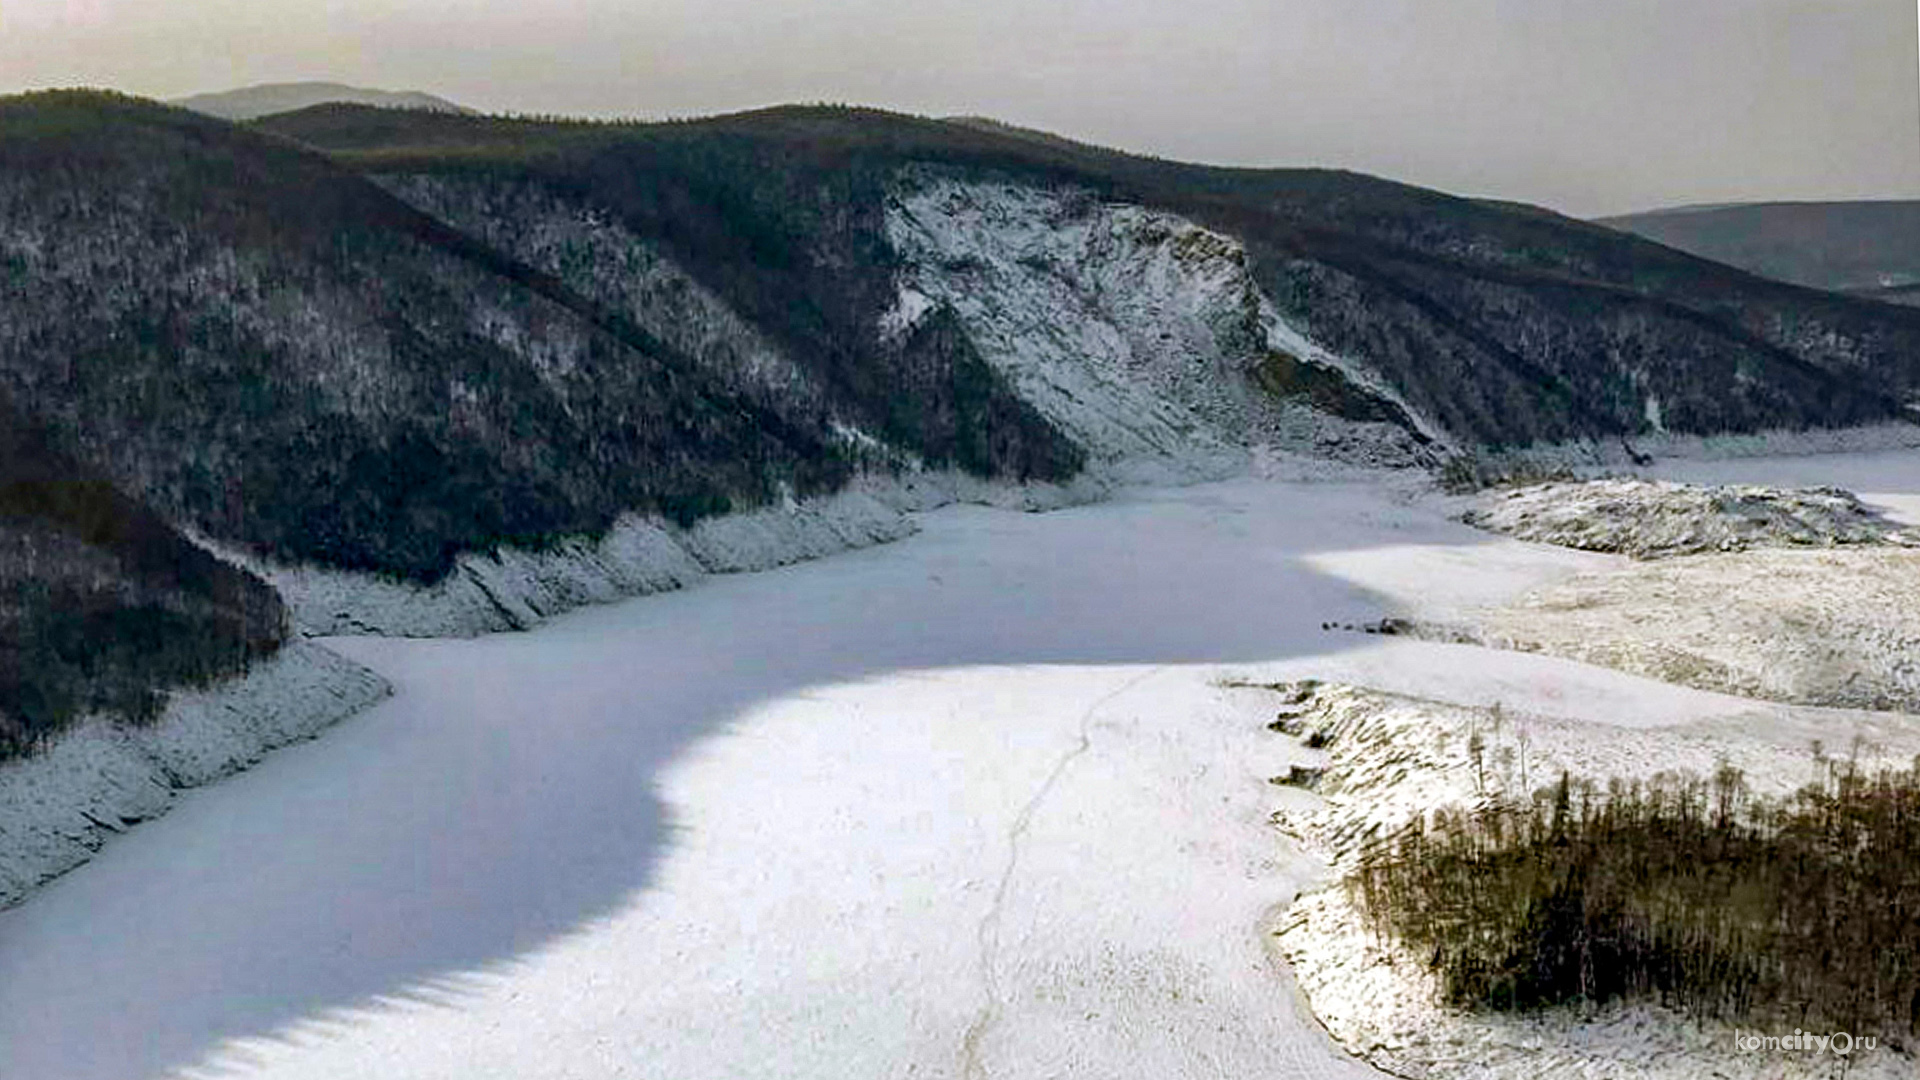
(1871, 249)
(376, 339)
(283, 354)
(252, 102)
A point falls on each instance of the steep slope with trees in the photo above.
(283, 355)
(103, 604)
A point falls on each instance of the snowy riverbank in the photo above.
(516, 589)
(58, 807)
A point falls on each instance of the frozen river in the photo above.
(971, 804)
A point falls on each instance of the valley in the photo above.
(808, 591)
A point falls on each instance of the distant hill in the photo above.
(1868, 248)
(252, 102)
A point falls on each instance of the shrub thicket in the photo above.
(1694, 892)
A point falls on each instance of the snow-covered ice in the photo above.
(975, 803)
(1654, 519)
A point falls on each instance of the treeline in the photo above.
(1689, 891)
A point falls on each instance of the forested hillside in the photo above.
(252, 102)
(1868, 248)
(1503, 323)
(289, 358)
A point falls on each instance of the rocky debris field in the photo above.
(1804, 596)
(1649, 519)
(1834, 628)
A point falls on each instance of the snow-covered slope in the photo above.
(1137, 332)
(58, 807)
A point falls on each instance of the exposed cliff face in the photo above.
(1137, 332)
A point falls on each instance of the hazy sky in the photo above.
(1589, 106)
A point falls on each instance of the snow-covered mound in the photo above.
(1654, 519)
(1834, 627)
(1137, 332)
(516, 589)
(98, 778)
(1390, 758)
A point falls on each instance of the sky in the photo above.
(1587, 106)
